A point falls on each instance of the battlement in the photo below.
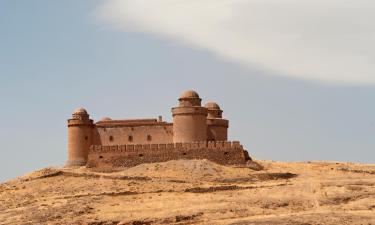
(218, 145)
(222, 152)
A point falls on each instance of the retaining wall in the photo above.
(226, 153)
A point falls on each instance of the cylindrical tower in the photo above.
(80, 129)
(217, 127)
(189, 119)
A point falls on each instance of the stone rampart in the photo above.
(222, 152)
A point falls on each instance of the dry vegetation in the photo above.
(194, 192)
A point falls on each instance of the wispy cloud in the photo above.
(330, 41)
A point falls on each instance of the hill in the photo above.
(194, 192)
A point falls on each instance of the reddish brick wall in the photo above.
(140, 134)
(226, 153)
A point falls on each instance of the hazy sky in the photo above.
(296, 79)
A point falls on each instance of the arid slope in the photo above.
(194, 192)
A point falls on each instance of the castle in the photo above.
(197, 132)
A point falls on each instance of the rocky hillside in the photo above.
(194, 192)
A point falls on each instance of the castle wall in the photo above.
(226, 153)
(123, 135)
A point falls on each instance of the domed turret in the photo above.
(106, 119)
(80, 114)
(214, 110)
(80, 129)
(80, 111)
(217, 128)
(190, 98)
(212, 105)
(189, 119)
(189, 94)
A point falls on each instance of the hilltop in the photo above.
(194, 192)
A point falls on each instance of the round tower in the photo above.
(217, 127)
(189, 119)
(80, 129)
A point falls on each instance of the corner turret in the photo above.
(80, 129)
(217, 127)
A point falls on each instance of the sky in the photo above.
(296, 79)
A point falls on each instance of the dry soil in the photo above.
(194, 192)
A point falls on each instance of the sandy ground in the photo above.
(194, 192)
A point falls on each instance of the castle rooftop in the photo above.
(131, 122)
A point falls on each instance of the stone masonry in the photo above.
(196, 133)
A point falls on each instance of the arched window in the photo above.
(130, 138)
(149, 138)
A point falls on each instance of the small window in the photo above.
(110, 138)
(184, 153)
(86, 138)
(100, 157)
(226, 153)
(130, 138)
(140, 155)
(149, 138)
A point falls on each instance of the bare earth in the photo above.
(194, 192)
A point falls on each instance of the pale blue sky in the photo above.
(56, 56)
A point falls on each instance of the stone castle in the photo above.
(196, 133)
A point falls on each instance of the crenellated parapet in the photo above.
(214, 145)
(222, 152)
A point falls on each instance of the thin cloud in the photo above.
(330, 41)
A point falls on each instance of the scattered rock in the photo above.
(180, 218)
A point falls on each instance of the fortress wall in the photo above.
(122, 135)
(226, 153)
